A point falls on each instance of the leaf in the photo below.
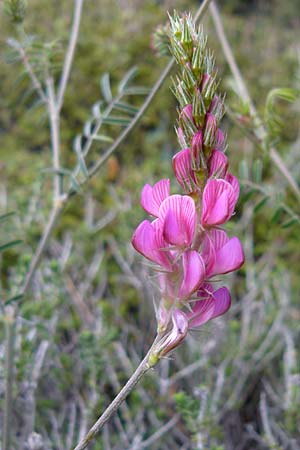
(272, 118)
(121, 106)
(5, 216)
(9, 245)
(126, 79)
(103, 138)
(96, 110)
(136, 90)
(13, 299)
(257, 171)
(261, 203)
(114, 120)
(290, 222)
(105, 88)
(78, 150)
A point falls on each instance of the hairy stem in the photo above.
(9, 375)
(140, 371)
(260, 130)
(70, 52)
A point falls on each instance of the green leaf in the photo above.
(126, 79)
(78, 151)
(121, 106)
(114, 120)
(13, 299)
(9, 245)
(5, 216)
(136, 90)
(290, 222)
(103, 138)
(257, 171)
(105, 88)
(261, 203)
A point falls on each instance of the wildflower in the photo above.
(184, 240)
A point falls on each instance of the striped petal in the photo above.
(152, 197)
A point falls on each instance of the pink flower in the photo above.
(221, 254)
(218, 164)
(218, 201)
(178, 218)
(210, 305)
(152, 197)
(183, 171)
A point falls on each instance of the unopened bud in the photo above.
(196, 148)
(210, 130)
(16, 10)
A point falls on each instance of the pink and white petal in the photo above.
(152, 197)
(203, 311)
(193, 273)
(181, 163)
(215, 202)
(230, 257)
(176, 335)
(218, 164)
(233, 181)
(184, 210)
(222, 301)
(144, 240)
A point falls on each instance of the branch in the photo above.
(70, 53)
(35, 81)
(141, 370)
(260, 130)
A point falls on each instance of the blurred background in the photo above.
(88, 318)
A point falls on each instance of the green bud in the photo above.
(16, 10)
(199, 109)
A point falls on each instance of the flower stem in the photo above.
(140, 371)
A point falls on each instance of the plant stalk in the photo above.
(10, 324)
(140, 371)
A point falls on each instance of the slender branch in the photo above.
(54, 215)
(260, 130)
(70, 53)
(9, 376)
(35, 81)
(140, 371)
(146, 103)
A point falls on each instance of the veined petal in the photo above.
(178, 213)
(222, 301)
(229, 257)
(183, 171)
(217, 202)
(193, 273)
(177, 334)
(233, 181)
(152, 197)
(147, 241)
(218, 164)
(211, 305)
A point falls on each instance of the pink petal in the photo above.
(222, 301)
(212, 305)
(219, 200)
(218, 164)
(147, 241)
(193, 273)
(152, 197)
(178, 215)
(229, 257)
(183, 171)
(233, 181)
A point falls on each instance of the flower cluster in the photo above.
(185, 241)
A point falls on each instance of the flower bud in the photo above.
(196, 150)
(210, 130)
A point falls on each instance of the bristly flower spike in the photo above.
(185, 240)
